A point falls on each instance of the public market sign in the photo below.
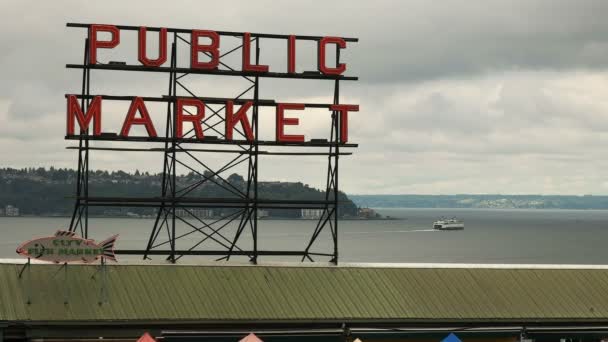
(65, 247)
(205, 55)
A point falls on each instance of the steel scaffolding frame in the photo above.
(245, 203)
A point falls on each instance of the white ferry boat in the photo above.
(448, 224)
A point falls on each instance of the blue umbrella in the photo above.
(451, 338)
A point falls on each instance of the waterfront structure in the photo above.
(311, 214)
(263, 213)
(194, 213)
(297, 302)
(11, 210)
(367, 213)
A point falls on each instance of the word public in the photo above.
(190, 110)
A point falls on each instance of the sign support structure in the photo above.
(173, 236)
(28, 288)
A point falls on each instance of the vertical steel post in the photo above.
(86, 174)
(29, 281)
(66, 283)
(256, 95)
(158, 223)
(77, 213)
(337, 155)
(102, 295)
(173, 148)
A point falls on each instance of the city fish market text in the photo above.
(65, 247)
(191, 111)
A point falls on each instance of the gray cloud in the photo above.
(456, 96)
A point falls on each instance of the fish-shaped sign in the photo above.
(64, 246)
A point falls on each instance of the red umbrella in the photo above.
(250, 338)
(146, 338)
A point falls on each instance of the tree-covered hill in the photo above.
(482, 201)
(40, 191)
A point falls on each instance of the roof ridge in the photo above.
(340, 265)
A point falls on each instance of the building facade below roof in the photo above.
(337, 303)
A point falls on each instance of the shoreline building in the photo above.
(194, 212)
(367, 213)
(11, 210)
(303, 302)
(311, 214)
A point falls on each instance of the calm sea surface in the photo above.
(490, 236)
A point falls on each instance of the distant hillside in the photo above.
(481, 201)
(51, 191)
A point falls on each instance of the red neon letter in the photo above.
(282, 121)
(94, 44)
(212, 50)
(247, 55)
(291, 54)
(340, 68)
(162, 48)
(138, 105)
(194, 118)
(241, 115)
(344, 109)
(93, 113)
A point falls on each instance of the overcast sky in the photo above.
(456, 96)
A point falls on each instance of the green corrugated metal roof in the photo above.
(288, 293)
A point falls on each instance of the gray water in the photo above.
(490, 236)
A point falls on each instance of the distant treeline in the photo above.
(40, 191)
(482, 201)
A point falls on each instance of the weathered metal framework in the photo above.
(245, 203)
